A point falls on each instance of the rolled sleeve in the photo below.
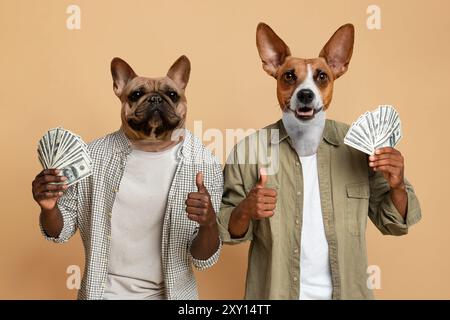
(224, 220)
(67, 206)
(385, 215)
(208, 263)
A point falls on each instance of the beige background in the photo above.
(53, 76)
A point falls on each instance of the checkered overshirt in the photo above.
(87, 206)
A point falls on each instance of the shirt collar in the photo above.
(122, 143)
(330, 134)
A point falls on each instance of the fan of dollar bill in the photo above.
(376, 129)
(61, 149)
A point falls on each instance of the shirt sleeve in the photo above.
(215, 191)
(383, 212)
(67, 205)
(233, 194)
(208, 263)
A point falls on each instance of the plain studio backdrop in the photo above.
(53, 76)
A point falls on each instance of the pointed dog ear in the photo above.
(180, 71)
(272, 50)
(339, 49)
(121, 73)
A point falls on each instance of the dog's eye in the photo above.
(322, 76)
(173, 96)
(135, 95)
(289, 76)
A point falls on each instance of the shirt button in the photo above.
(295, 279)
(296, 221)
(299, 193)
(297, 163)
(296, 251)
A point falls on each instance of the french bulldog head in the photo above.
(152, 108)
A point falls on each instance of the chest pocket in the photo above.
(358, 195)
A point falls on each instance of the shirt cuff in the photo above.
(224, 220)
(412, 214)
(208, 263)
(65, 233)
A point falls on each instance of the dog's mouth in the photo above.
(154, 120)
(306, 113)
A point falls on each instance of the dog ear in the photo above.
(272, 50)
(338, 50)
(121, 73)
(180, 71)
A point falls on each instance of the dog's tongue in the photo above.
(305, 113)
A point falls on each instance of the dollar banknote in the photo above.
(61, 149)
(376, 129)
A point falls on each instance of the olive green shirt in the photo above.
(349, 191)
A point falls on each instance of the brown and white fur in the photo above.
(305, 86)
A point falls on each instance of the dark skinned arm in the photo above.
(200, 209)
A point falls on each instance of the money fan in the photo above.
(61, 149)
(374, 130)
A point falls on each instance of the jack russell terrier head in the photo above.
(305, 86)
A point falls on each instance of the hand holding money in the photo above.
(390, 163)
(48, 186)
(65, 159)
(64, 150)
(376, 133)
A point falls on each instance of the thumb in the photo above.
(199, 182)
(262, 178)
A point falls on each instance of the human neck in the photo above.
(305, 135)
(153, 146)
(158, 145)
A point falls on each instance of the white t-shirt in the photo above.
(135, 269)
(315, 274)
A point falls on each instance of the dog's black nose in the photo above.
(155, 99)
(305, 96)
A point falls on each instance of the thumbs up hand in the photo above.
(198, 204)
(260, 202)
(262, 179)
